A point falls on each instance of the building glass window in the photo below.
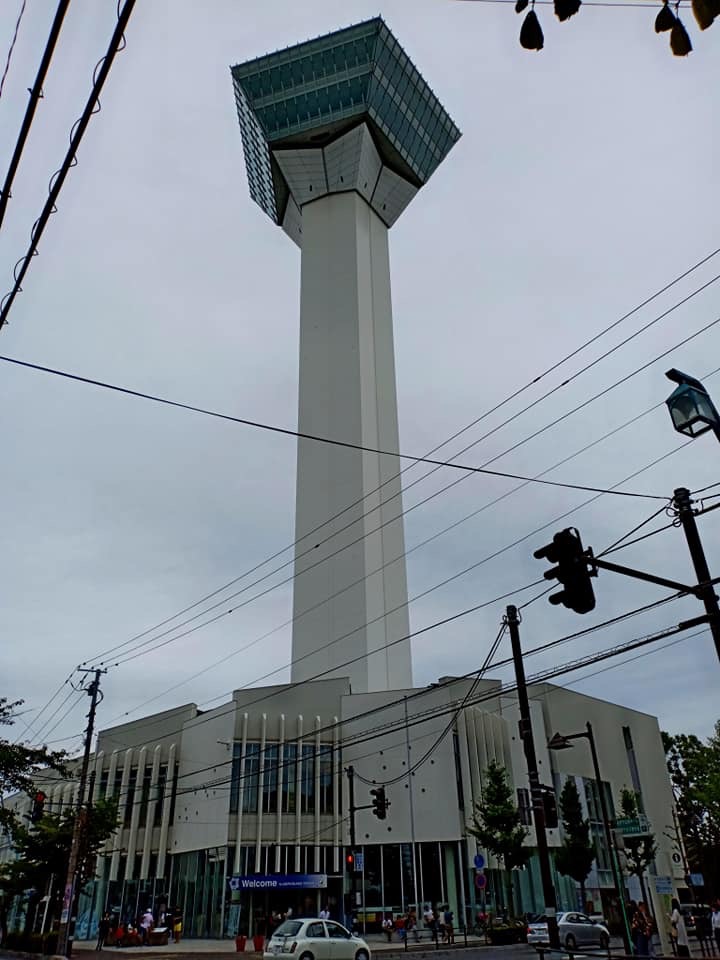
(160, 794)
(325, 759)
(270, 779)
(251, 778)
(289, 778)
(307, 782)
(130, 797)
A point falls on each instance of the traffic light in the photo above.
(566, 550)
(38, 806)
(550, 806)
(350, 862)
(380, 803)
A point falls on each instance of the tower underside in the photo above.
(350, 611)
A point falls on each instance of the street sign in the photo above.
(479, 861)
(634, 826)
(359, 864)
(480, 881)
(664, 885)
(278, 881)
(697, 879)
(676, 858)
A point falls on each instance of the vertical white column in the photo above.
(122, 799)
(135, 815)
(167, 806)
(150, 818)
(261, 784)
(316, 788)
(347, 392)
(241, 795)
(280, 781)
(336, 774)
(298, 799)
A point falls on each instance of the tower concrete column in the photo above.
(355, 602)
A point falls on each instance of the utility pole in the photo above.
(70, 898)
(683, 505)
(513, 622)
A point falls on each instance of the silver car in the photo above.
(576, 930)
(315, 939)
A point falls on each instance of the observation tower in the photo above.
(339, 134)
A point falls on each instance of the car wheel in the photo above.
(306, 956)
(570, 942)
(362, 955)
(604, 941)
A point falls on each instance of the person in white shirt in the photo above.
(324, 914)
(715, 919)
(678, 925)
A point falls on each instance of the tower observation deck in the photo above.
(339, 134)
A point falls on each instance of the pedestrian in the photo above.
(177, 925)
(388, 928)
(648, 927)
(103, 930)
(715, 920)
(324, 913)
(678, 924)
(147, 922)
(449, 925)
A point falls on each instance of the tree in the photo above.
(639, 851)
(44, 851)
(496, 825)
(577, 853)
(694, 769)
(20, 765)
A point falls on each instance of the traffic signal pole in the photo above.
(353, 838)
(706, 591)
(70, 898)
(513, 622)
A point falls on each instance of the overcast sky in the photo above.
(586, 179)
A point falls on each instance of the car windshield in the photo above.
(290, 928)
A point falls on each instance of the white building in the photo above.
(256, 789)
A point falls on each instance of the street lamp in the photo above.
(560, 741)
(691, 409)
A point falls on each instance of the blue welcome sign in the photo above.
(278, 881)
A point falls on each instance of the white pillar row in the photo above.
(150, 818)
(167, 806)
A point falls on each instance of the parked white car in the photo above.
(576, 930)
(315, 940)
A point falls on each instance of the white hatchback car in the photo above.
(315, 940)
(576, 929)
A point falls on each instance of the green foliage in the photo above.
(44, 849)
(694, 768)
(496, 823)
(577, 853)
(639, 851)
(20, 765)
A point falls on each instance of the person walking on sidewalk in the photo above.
(103, 930)
(678, 923)
(715, 920)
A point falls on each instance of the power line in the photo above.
(273, 428)
(12, 45)
(117, 43)
(36, 92)
(502, 403)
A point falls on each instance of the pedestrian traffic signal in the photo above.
(566, 550)
(380, 803)
(350, 862)
(38, 806)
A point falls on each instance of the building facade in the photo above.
(243, 810)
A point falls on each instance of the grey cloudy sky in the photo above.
(587, 178)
